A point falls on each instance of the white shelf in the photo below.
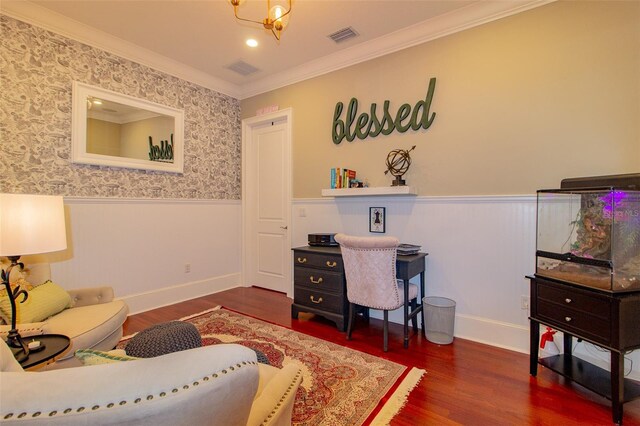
(365, 192)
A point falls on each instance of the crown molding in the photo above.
(475, 14)
(39, 16)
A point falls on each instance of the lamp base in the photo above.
(18, 346)
(14, 340)
(19, 354)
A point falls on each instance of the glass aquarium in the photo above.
(590, 237)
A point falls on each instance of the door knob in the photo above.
(284, 227)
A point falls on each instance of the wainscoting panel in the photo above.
(480, 249)
(152, 252)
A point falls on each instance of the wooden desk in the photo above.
(320, 286)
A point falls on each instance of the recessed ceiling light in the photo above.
(252, 43)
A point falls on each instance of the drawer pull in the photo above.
(568, 300)
(314, 300)
(318, 281)
(302, 260)
(568, 319)
(332, 264)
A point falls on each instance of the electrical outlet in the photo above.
(187, 268)
(524, 302)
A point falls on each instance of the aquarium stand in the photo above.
(606, 319)
(592, 377)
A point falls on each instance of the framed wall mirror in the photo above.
(112, 129)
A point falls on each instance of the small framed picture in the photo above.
(377, 219)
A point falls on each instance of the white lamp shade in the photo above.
(31, 224)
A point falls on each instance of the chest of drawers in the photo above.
(319, 284)
(606, 319)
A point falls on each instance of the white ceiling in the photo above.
(197, 40)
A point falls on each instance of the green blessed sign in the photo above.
(368, 124)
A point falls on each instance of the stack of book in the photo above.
(341, 178)
(408, 249)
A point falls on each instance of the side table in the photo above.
(54, 345)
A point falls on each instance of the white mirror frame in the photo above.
(79, 152)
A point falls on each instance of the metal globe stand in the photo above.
(398, 162)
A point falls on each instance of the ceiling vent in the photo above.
(243, 68)
(343, 35)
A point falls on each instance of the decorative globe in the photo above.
(398, 162)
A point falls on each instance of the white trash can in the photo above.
(439, 319)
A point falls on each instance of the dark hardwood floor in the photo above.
(466, 382)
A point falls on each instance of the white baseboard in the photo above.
(490, 332)
(165, 296)
(495, 333)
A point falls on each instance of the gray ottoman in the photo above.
(261, 357)
(164, 338)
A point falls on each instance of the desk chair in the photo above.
(370, 269)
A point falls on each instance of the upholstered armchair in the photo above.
(94, 320)
(211, 385)
(370, 269)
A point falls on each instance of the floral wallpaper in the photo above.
(37, 69)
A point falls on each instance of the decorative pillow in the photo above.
(91, 357)
(24, 284)
(44, 301)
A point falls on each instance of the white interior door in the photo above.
(267, 201)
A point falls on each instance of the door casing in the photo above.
(248, 125)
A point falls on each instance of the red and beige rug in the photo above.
(341, 386)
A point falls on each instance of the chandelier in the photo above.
(276, 20)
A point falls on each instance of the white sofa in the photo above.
(94, 322)
(212, 385)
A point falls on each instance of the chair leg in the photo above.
(385, 327)
(352, 314)
(414, 320)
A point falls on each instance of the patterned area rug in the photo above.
(341, 386)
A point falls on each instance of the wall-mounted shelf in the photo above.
(365, 192)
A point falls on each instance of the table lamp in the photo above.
(29, 224)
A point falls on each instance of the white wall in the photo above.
(141, 247)
(480, 250)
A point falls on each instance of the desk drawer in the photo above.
(318, 260)
(318, 279)
(320, 300)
